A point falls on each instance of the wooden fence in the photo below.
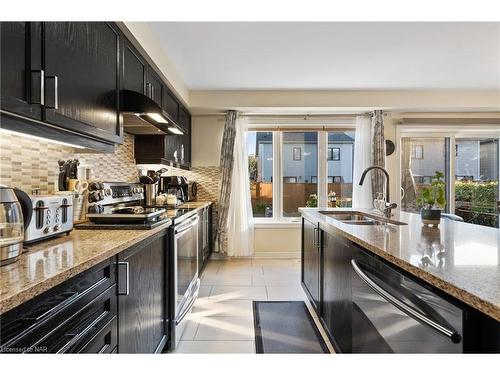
(294, 194)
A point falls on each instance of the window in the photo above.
(334, 153)
(472, 187)
(297, 154)
(476, 180)
(302, 192)
(339, 172)
(260, 170)
(417, 170)
(291, 169)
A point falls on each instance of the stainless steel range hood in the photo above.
(141, 115)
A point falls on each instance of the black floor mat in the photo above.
(286, 327)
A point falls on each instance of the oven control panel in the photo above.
(106, 193)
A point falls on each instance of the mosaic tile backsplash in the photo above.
(29, 164)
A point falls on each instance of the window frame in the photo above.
(322, 155)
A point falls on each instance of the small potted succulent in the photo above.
(432, 200)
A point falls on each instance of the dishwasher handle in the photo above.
(454, 336)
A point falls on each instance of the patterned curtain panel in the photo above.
(226, 165)
(407, 180)
(378, 157)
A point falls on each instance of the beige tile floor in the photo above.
(222, 316)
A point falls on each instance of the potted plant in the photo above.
(432, 200)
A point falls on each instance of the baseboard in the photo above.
(277, 254)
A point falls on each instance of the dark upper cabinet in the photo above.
(336, 309)
(143, 296)
(154, 86)
(21, 68)
(82, 78)
(170, 104)
(311, 262)
(134, 69)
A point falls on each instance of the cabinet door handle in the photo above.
(149, 90)
(123, 279)
(316, 240)
(37, 87)
(51, 92)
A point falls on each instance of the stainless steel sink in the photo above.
(359, 218)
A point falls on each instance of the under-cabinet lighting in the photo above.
(158, 118)
(5, 131)
(175, 130)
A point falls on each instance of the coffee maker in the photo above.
(176, 185)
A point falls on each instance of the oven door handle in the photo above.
(183, 228)
(453, 335)
(193, 297)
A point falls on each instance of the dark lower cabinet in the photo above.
(311, 258)
(120, 305)
(82, 77)
(67, 318)
(142, 297)
(21, 68)
(336, 305)
(204, 237)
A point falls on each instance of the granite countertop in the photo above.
(461, 259)
(52, 262)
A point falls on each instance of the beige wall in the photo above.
(206, 140)
(277, 242)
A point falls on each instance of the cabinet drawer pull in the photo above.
(103, 349)
(59, 306)
(76, 337)
(51, 92)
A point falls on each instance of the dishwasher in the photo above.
(392, 313)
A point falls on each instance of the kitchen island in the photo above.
(457, 261)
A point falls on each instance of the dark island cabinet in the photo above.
(336, 305)
(21, 68)
(311, 257)
(134, 69)
(143, 296)
(82, 78)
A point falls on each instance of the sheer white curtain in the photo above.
(240, 230)
(362, 195)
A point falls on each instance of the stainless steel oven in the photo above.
(186, 281)
(394, 314)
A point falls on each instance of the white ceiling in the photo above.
(333, 56)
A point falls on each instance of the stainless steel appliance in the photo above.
(11, 226)
(394, 314)
(45, 216)
(186, 281)
(175, 185)
(191, 191)
(119, 204)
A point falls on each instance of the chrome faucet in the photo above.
(388, 207)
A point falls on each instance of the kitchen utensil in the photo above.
(77, 186)
(146, 180)
(150, 194)
(11, 226)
